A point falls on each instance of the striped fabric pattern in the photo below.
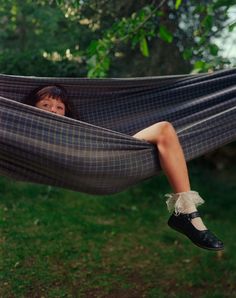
(94, 152)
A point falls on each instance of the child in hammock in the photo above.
(183, 202)
(50, 98)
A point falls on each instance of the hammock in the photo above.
(95, 152)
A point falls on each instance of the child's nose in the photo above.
(53, 109)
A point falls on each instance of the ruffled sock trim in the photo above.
(181, 201)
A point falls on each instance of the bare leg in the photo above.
(170, 154)
(172, 159)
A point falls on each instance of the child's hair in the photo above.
(53, 91)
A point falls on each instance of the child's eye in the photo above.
(45, 105)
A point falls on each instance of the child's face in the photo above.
(51, 105)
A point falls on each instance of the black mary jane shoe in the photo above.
(204, 239)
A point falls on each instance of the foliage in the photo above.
(193, 27)
(37, 39)
(94, 37)
(33, 64)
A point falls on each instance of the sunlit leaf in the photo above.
(92, 61)
(144, 47)
(106, 63)
(199, 65)
(165, 34)
(177, 3)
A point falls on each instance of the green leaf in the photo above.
(59, 2)
(199, 65)
(106, 63)
(177, 4)
(91, 73)
(144, 47)
(223, 3)
(200, 8)
(92, 61)
(187, 54)
(92, 48)
(213, 49)
(207, 22)
(134, 41)
(165, 34)
(202, 40)
(232, 26)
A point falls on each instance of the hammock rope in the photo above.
(95, 152)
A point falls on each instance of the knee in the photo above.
(166, 132)
(166, 128)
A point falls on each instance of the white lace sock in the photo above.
(186, 202)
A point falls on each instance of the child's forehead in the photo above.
(49, 97)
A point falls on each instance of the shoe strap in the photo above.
(193, 215)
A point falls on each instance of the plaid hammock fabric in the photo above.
(95, 152)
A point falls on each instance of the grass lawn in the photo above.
(59, 243)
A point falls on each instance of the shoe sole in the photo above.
(201, 246)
